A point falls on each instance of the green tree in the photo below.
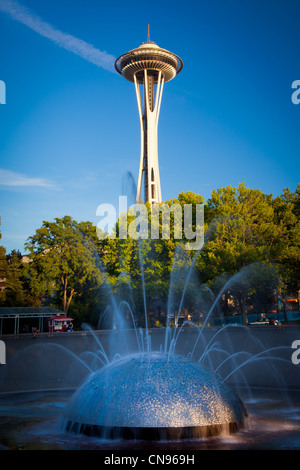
(64, 259)
(145, 265)
(240, 230)
(287, 252)
(15, 294)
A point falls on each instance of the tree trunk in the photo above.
(225, 303)
(66, 300)
(69, 300)
(242, 301)
(186, 314)
(64, 281)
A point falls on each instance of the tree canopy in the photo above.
(244, 227)
(63, 257)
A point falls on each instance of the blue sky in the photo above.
(69, 130)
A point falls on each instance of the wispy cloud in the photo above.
(14, 179)
(67, 41)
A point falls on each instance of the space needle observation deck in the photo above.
(149, 67)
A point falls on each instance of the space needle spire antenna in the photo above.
(149, 67)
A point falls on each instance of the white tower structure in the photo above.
(149, 67)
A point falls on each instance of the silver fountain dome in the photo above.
(150, 396)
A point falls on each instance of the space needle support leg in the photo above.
(148, 137)
(140, 177)
(159, 91)
(148, 125)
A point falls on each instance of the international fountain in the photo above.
(128, 387)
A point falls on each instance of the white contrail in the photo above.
(67, 41)
(14, 179)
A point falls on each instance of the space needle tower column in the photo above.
(149, 67)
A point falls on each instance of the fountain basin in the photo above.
(152, 396)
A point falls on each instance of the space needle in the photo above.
(149, 67)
